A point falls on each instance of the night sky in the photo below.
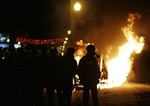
(42, 17)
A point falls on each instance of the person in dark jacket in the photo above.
(52, 77)
(69, 69)
(89, 75)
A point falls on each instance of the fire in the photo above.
(80, 52)
(120, 66)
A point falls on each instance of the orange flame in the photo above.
(120, 66)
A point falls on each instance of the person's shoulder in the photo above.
(62, 57)
(83, 58)
(59, 57)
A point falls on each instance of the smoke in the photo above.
(102, 22)
(102, 25)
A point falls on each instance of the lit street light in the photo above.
(69, 32)
(77, 6)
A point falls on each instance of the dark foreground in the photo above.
(129, 94)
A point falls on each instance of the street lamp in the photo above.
(77, 6)
(69, 32)
(75, 9)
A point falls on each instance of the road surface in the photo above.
(129, 94)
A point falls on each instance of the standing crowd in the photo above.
(27, 71)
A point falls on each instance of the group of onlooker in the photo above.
(29, 70)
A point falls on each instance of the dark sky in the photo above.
(34, 16)
(21, 15)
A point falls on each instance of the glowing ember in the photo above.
(120, 66)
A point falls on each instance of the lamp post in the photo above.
(75, 10)
(75, 7)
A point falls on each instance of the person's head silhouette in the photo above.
(90, 49)
(70, 51)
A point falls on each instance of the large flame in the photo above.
(120, 66)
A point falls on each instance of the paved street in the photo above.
(129, 94)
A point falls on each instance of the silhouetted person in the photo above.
(26, 76)
(29, 81)
(69, 69)
(9, 93)
(89, 75)
(52, 81)
(40, 67)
